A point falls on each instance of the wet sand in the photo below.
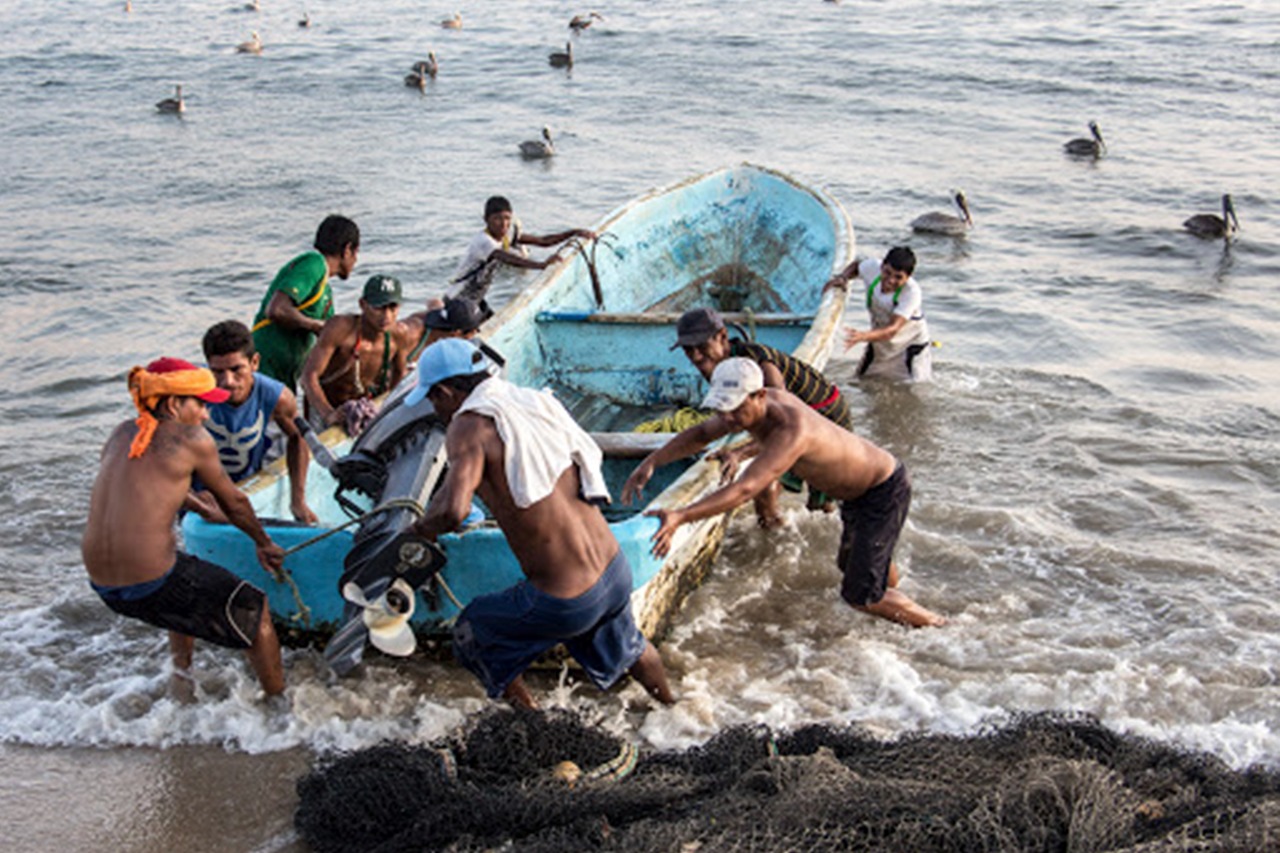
(185, 798)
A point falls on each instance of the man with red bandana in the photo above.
(129, 547)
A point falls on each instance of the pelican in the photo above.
(253, 6)
(253, 45)
(1082, 147)
(945, 223)
(429, 67)
(1212, 225)
(174, 104)
(581, 22)
(416, 80)
(128, 5)
(306, 20)
(454, 23)
(562, 60)
(538, 149)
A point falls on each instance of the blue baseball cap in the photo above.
(445, 359)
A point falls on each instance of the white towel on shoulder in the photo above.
(541, 440)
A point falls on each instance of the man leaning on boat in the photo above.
(129, 547)
(539, 475)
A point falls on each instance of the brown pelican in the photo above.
(416, 79)
(1212, 225)
(429, 67)
(538, 149)
(454, 23)
(581, 22)
(562, 60)
(253, 6)
(1082, 147)
(945, 223)
(253, 45)
(174, 104)
(305, 20)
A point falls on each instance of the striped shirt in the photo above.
(801, 379)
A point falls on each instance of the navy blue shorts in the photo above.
(498, 636)
(197, 599)
(872, 523)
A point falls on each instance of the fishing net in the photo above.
(1044, 782)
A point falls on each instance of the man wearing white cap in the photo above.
(539, 475)
(874, 488)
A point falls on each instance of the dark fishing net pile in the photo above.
(1045, 782)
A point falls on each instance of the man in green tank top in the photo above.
(300, 299)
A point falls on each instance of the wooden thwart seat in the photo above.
(669, 318)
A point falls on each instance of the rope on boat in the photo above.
(304, 612)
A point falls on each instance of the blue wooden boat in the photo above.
(598, 329)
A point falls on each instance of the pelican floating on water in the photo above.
(174, 104)
(253, 45)
(538, 149)
(253, 6)
(454, 23)
(1214, 226)
(306, 20)
(416, 79)
(430, 67)
(581, 22)
(938, 222)
(562, 60)
(1082, 147)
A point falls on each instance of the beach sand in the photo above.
(137, 799)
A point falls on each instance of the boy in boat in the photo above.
(701, 333)
(300, 299)
(873, 487)
(357, 357)
(539, 474)
(129, 547)
(898, 345)
(454, 317)
(239, 424)
(502, 242)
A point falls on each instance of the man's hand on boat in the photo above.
(203, 504)
(669, 520)
(635, 484)
(271, 557)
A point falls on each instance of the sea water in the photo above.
(1095, 464)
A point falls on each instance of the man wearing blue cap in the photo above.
(539, 474)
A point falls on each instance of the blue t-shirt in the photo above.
(241, 431)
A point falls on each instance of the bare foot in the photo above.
(182, 686)
(897, 607)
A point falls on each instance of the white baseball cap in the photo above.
(732, 382)
(387, 616)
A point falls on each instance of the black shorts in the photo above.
(198, 599)
(872, 523)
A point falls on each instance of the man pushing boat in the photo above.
(129, 547)
(873, 487)
(539, 474)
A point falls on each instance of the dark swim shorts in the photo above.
(872, 523)
(196, 598)
(498, 636)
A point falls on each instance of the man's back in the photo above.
(129, 535)
(563, 543)
(823, 454)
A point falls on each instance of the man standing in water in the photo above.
(873, 487)
(300, 299)
(898, 345)
(502, 242)
(129, 547)
(539, 474)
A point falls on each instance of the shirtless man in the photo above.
(129, 547)
(873, 487)
(578, 587)
(357, 357)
